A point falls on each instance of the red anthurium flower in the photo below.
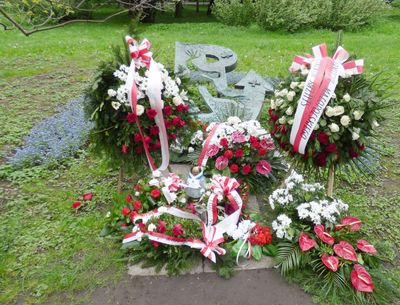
(324, 236)
(221, 163)
(263, 167)
(366, 247)
(76, 204)
(306, 242)
(212, 150)
(125, 211)
(345, 250)
(353, 222)
(177, 229)
(331, 262)
(267, 144)
(155, 193)
(87, 196)
(361, 279)
(137, 205)
(162, 226)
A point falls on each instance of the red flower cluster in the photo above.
(260, 235)
(78, 204)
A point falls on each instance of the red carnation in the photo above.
(175, 121)
(345, 250)
(131, 118)
(125, 211)
(324, 236)
(255, 144)
(246, 169)
(151, 113)
(76, 204)
(239, 153)
(234, 168)
(306, 242)
(366, 247)
(137, 138)
(124, 149)
(323, 138)
(181, 123)
(154, 130)
(172, 136)
(129, 198)
(181, 108)
(177, 229)
(361, 279)
(162, 226)
(331, 262)
(228, 154)
(331, 148)
(224, 142)
(157, 145)
(155, 193)
(137, 205)
(320, 159)
(147, 139)
(167, 110)
(262, 152)
(87, 196)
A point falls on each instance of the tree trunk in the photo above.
(120, 180)
(331, 180)
(178, 9)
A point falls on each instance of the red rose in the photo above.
(234, 168)
(131, 118)
(262, 152)
(157, 145)
(181, 123)
(167, 110)
(228, 154)
(312, 137)
(331, 262)
(137, 205)
(246, 169)
(172, 136)
(345, 250)
(239, 153)
(263, 167)
(323, 138)
(221, 163)
(177, 229)
(274, 117)
(180, 108)
(125, 211)
(76, 204)
(331, 148)
(324, 236)
(124, 149)
(361, 279)
(147, 139)
(224, 142)
(129, 198)
(176, 121)
(353, 222)
(366, 247)
(353, 153)
(306, 242)
(87, 196)
(154, 130)
(137, 138)
(151, 113)
(167, 123)
(320, 159)
(253, 139)
(155, 193)
(137, 187)
(162, 226)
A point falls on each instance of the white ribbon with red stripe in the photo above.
(141, 55)
(203, 158)
(320, 85)
(212, 234)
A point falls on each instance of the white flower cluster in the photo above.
(241, 230)
(281, 197)
(196, 140)
(321, 211)
(281, 226)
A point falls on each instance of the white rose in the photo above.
(273, 104)
(279, 102)
(137, 194)
(316, 127)
(283, 92)
(375, 123)
(177, 100)
(334, 127)
(290, 122)
(115, 105)
(347, 97)
(290, 95)
(282, 120)
(338, 110)
(111, 92)
(355, 136)
(289, 111)
(302, 85)
(345, 120)
(358, 114)
(334, 95)
(139, 110)
(329, 111)
(190, 149)
(293, 85)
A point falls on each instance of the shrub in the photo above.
(234, 12)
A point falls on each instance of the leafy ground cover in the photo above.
(46, 249)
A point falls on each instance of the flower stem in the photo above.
(331, 179)
(120, 178)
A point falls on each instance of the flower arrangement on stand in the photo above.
(243, 150)
(323, 247)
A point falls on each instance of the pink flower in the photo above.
(346, 251)
(331, 262)
(366, 247)
(221, 163)
(353, 222)
(263, 167)
(177, 229)
(212, 150)
(191, 207)
(87, 196)
(361, 279)
(76, 204)
(324, 236)
(124, 149)
(238, 137)
(162, 227)
(306, 242)
(267, 144)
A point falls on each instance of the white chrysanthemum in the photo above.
(152, 227)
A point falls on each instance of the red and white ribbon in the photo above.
(141, 55)
(203, 158)
(320, 85)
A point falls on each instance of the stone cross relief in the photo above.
(239, 94)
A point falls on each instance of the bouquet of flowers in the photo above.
(340, 134)
(243, 150)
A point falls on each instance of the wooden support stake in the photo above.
(331, 180)
(120, 178)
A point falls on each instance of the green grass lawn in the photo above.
(48, 252)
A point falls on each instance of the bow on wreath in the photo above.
(320, 85)
(140, 55)
(212, 234)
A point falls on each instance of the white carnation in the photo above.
(115, 105)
